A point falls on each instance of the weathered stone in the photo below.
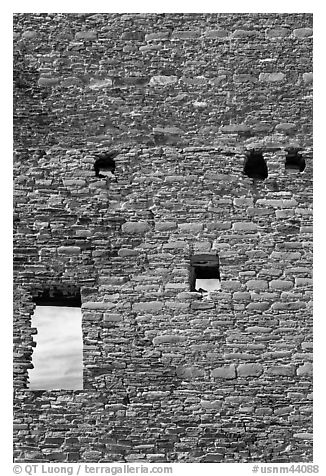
(230, 285)
(302, 32)
(212, 458)
(235, 128)
(303, 436)
(283, 411)
(29, 34)
(282, 370)
(243, 33)
(244, 78)
(148, 306)
(277, 33)
(86, 35)
(100, 83)
(158, 394)
(249, 370)
(211, 404)
(175, 245)
(100, 306)
(288, 306)
(305, 369)
(47, 82)
(112, 317)
(243, 202)
(258, 306)
(168, 339)
(159, 36)
(257, 284)
(69, 250)
(247, 227)
(241, 296)
(124, 252)
(271, 77)
(227, 372)
(189, 373)
(303, 282)
(307, 77)
(185, 34)
(163, 80)
(190, 227)
(216, 34)
(258, 329)
(286, 127)
(280, 284)
(135, 227)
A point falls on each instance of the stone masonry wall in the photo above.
(183, 97)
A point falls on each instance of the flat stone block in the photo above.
(305, 369)
(277, 33)
(257, 284)
(302, 32)
(227, 372)
(135, 227)
(189, 373)
(165, 225)
(168, 339)
(283, 370)
(235, 128)
(280, 284)
(163, 80)
(271, 77)
(185, 34)
(100, 306)
(247, 227)
(190, 227)
(259, 329)
(216, 34)
(249, 370)
(307, 77)
(150, 306)
(47, 82)
(159, 36)
(86, 35)
(69, 250)
(211, 404)
(286, 127)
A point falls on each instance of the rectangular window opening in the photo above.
(58, 355)
(205, 274)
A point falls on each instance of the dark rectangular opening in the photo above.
(204, 273)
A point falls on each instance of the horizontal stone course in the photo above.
(135, 227)
(148, 306)
(168, 339)
(226, 372)
(271, 77)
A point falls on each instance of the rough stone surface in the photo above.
(249, 370)
(226, 372)
(169, 375)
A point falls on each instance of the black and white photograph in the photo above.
(162, 241)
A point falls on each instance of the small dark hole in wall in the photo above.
(255, 165)
(126, 400)
(204, 273)
(294, 162)
(104, 165)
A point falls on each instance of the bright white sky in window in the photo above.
(208, 284)
(58, 355)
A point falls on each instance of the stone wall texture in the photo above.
(182, 97)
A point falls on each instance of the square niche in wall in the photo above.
(204, 273)
(58, 355)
